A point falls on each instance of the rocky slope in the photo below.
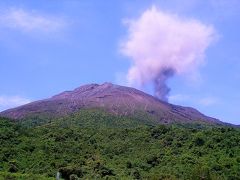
(115, 99)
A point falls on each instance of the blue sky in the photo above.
(50, 46)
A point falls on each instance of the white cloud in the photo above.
(7, 102)
(158, 39)
(30, 21)
(161, 44)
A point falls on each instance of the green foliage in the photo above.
(92, 144)
(20, 176)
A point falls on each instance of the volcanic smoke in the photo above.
(161, 45)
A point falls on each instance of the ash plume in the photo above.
(160, 86)
(161, 45)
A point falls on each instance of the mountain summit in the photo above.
(115, 99)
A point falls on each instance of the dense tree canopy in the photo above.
(94, 144)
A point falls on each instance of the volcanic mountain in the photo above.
(115, 99)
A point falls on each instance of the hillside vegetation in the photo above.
(92, 144)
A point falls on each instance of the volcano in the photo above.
(115, 99)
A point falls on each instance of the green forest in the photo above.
(93, 144)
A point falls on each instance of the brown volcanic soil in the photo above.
(115, 99)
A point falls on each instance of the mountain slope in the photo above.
(118, 100)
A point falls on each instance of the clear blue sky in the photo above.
(50, 46)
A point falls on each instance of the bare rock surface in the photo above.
(113, 98)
